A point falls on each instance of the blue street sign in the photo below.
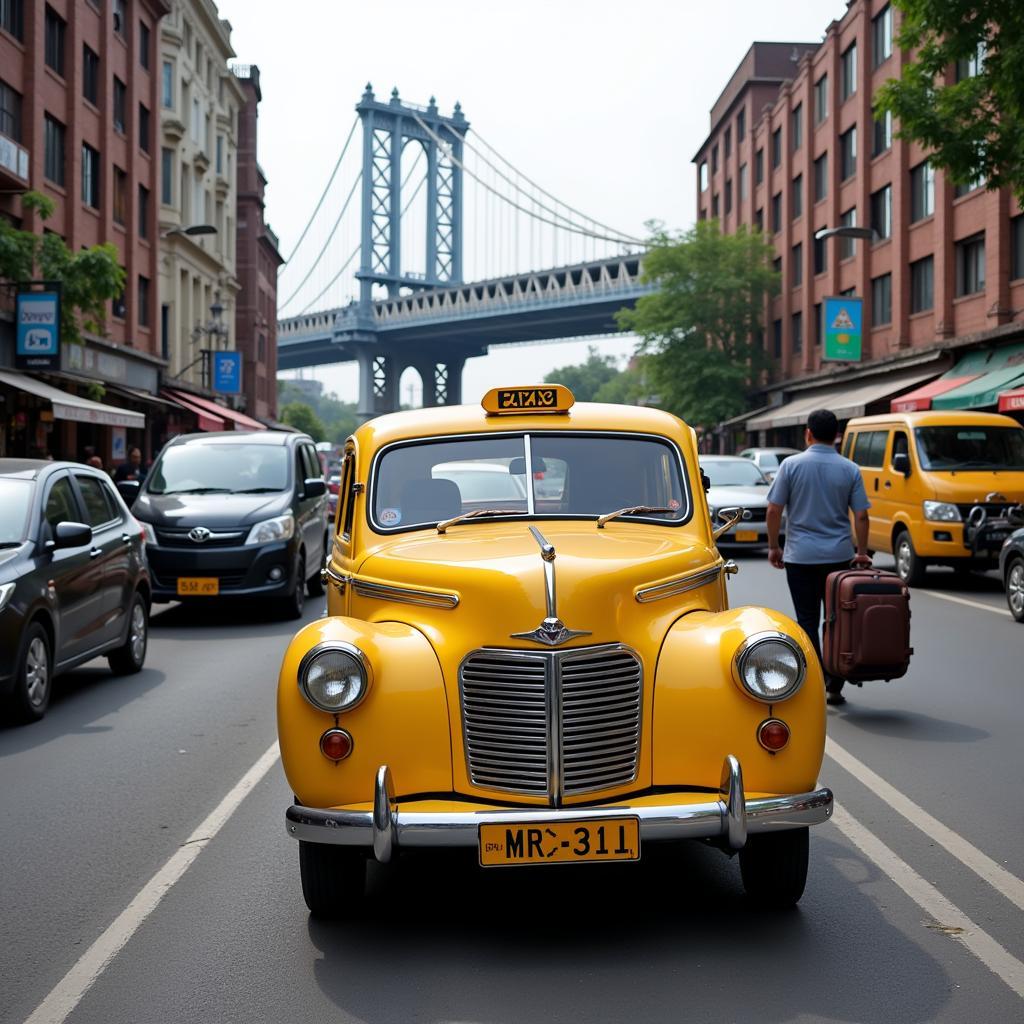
(38, 337)
(843, 322)
(227, 372)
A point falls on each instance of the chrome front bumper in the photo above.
(387, 828)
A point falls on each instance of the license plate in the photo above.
(747, 536)
(198, 586)
(565, 842)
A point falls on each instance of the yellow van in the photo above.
(940, 484)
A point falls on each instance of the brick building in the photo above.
(257, 261)
(794, 148)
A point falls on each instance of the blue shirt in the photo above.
(818, 488)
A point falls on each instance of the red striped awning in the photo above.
(239, 419)
(921, 398)
(204, 420)
(1012, 401)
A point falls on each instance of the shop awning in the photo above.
(204, 419)
(71, 407)
(239, 419)
(921, 398)
(997, 371)
(738, 421)
(845, 400)
(1012, 401)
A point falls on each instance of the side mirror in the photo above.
(129, 490)
(70, 535)
(901, 463)
(705, 481)
(314, 487)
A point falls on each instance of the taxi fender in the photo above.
(702, 713)
(402, 721)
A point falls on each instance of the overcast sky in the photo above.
(602, 103)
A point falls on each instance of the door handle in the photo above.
(876, 483)
(95, 552)
(126, 538)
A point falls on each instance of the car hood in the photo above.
(975, 485)
(215, 511)
(8, 559)
(747, 497)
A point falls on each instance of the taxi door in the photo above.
(895, 493)
(869, 450)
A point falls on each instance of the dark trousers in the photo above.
(807, 588)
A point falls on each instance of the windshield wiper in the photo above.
(259, 490)
(633, 510)
(476, 513)
(197, 490)
(979, 464)
(11, 543)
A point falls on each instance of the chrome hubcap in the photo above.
(137, 634)
(903, 557)
(37, 672)
(1015, 589)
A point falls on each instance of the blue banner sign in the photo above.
(843, 323)
(227, 372)
(38, 339)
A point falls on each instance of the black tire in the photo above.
(33, 675)
(315, 585)
(1015, 588)
(129, 658)
(333, 879)
(910, 566)
(774, 867)
(292, 604)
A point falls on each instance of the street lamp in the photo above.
(214, 328)
(192, 229)
(847, 231)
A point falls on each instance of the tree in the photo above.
(89, 278)
(974, 127)
(701, 331)
(584, 380)
(302, 417)
(339, 419)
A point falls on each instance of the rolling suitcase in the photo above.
(867, 625)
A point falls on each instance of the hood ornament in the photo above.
(552, 631)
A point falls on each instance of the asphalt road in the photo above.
(902, 920)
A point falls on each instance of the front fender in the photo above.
(701, 713)
(402, 721)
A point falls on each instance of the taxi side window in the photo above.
(900, 446)
(98, 509)
(60, 503)
(869, 449)
(347, 497)
(848, 445)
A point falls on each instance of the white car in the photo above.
(768, 460)
(736, 481)
(485, 484)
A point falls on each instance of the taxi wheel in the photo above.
(774, 867)
(33, 680)
(131, 655)
(910, 566)
(333, 879)
(1015, 588)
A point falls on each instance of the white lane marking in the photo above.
(1003, 881)
(963, 600)
(944, 913)
(69, 991)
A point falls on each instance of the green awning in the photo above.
(1000, 370)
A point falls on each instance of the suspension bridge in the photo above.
(436, 205)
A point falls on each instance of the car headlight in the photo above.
(333, 676)
(770, 666)
(6, 593)
(278, 528)
(941, 512)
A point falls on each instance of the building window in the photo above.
(167, 86)
(144, 132)
(759, 219)
(12, 18)
(196, 121)
(848, 246)
(776, 147)
(90, 176)
(1017, 247)
(848, 73)
(881, 35)
(797, 332)
(819, 323)
(922, 287)
(821, 177)
(759, 167)
(702, 171)
(56, 28)
(220, 161)
(883, 134)
(821, 99)
(777, 212)
(120, 22)
(741, 125)
(143, 221)
(970, 67)
(796, 126)
(728, 195)
(714, 205)
(820, 255)
(120, 104)
(714, 159)
(798, 196)
(970, 265)
(144, 44)
(848, 154)
(777, 338)
(922, 191)
(727, 143)
(796, 271)
(90, 75)
(10, 111)
(881, 212)
(143, 301)
(167, 177)
(881, 300)
(744, 183)
(962, 190)
(53, 158)
(120, 196)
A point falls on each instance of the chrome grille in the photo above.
(552, 724)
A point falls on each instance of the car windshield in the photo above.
(970, 447)
(15, 499)
(220, 469)
(555, 475)
(732, 473)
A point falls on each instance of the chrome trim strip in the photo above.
(531, 506)
(404, 595)
(680, 585)
(336, 578)
(384, 815)
(731, 790)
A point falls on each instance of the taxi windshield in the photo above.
(970, 447)
(220, 468)
(542, 475)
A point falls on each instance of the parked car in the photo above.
(736, 481)
(768, 460)
(333, 486)
(1011, 564)
(73, 579)
(560, 680)
(235, 514)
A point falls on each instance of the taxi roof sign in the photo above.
(544, 398)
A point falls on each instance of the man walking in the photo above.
(818, 488)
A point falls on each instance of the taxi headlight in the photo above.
(770, 666)
(334, 676)
(278, 528)
(941, 512)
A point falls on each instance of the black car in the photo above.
(1011, 565)
(73, 579)
(235, 514)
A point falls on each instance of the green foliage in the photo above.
(585, 379)
(338, 419)
(974, 127)
(88, 279)
(699, 331)
(626, 388)
(302, 417)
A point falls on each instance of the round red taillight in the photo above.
(336, 744)
(773, 734)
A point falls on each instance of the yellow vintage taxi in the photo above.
(529, 652)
